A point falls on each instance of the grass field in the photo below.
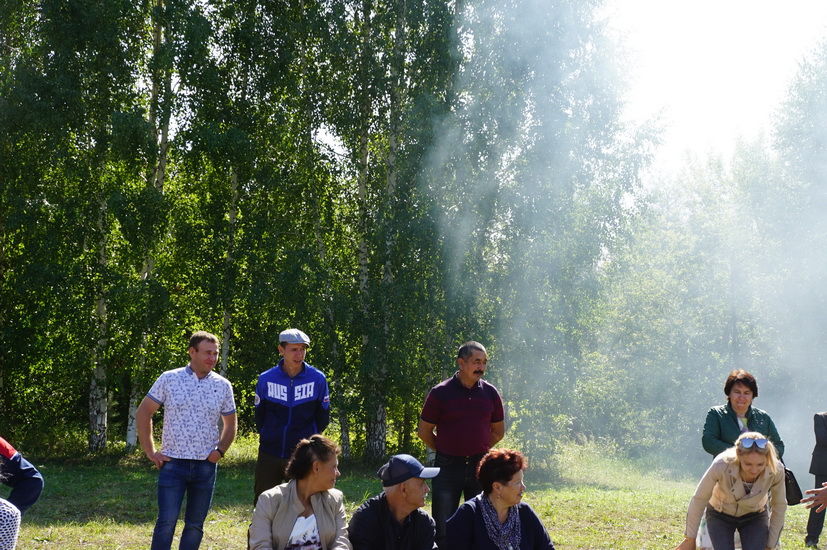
(598, 503)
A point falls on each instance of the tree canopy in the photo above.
(393, 177)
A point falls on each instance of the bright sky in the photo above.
(714, 69)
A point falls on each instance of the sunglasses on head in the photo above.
(760, 442)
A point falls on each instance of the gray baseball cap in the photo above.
(293, 336)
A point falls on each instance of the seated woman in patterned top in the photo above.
(496, 519)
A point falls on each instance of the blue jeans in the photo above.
(196, 479)
(457, 478)
(754, 530)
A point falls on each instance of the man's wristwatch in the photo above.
(219, 452)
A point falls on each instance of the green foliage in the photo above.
(394, 178)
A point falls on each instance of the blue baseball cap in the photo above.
(293, 336)
(402, 468)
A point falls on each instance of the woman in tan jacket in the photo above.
(305, 513)
(736, 491)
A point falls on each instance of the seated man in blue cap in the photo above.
(393, 520)
(291, 403)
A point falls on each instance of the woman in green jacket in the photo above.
(725, 423)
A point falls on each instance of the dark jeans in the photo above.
(754, 530)
(816, 521)
(457, 477)
(269, 473)
(196, 479)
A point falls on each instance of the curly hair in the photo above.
(499, 465)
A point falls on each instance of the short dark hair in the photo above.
(740, 376)
(466, 349)
(285, 344)
(200, 336)
(499, 465)
(307, 451)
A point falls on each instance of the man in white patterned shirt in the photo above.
(194, 398)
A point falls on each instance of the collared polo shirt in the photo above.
(463, 416)
(192, 408)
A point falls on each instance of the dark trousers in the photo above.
(269, 473)
(754, 530)
(816, 520)
(457, 478)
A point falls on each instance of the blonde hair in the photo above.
(734, 453)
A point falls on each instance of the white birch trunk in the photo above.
(229, 258)
(131, 424)
(377, 435)
(226, 332)
(375, 439)
(377, 432)
(98, 395)
(157, 178)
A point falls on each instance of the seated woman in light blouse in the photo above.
(306, 512)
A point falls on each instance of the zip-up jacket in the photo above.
(19, 474)
(289, 409)
(721, 429)
(722, 489)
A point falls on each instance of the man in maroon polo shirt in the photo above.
(467, 413)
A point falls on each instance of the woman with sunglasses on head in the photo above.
(496, 519)
(306, 512)
(724, 423)
(743, 490)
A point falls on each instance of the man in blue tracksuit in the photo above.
(291, 403)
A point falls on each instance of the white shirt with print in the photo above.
(192, 408)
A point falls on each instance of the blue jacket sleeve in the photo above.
(259, 407)
(25, 481)
(323, 407)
